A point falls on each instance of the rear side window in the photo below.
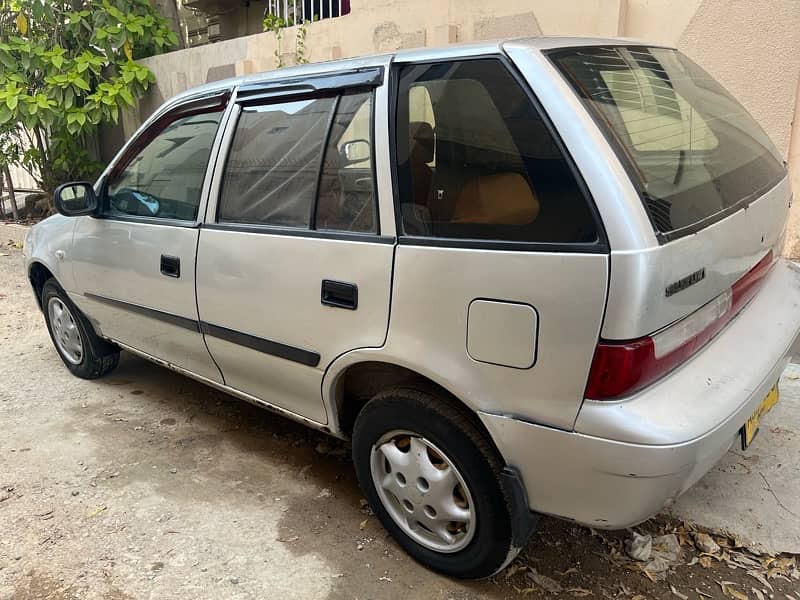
(691, 149)
(477, 161)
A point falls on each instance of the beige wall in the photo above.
(752, 47)
(22, 180)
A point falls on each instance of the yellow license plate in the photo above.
(750, 428)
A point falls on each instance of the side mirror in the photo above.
(356, 151)
(75, 199)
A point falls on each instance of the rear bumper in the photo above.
(627, 460)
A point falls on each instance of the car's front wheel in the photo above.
(433, 480)
(85, 354)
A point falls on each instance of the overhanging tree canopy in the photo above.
(68, 66)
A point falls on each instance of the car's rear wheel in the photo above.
(82, 351)
(433, 480)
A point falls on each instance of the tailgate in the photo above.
(649, 289)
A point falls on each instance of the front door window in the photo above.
(164, 178)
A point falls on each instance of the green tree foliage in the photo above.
(68, 66)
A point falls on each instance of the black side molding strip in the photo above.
(148, 312)
(285, 351)
(298, 355)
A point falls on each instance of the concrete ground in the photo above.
(755, 494)
(145, 484)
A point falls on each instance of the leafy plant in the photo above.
(300, 44)
(276, 25)
(69, 66)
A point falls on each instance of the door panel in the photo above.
(269, 287)
(117, 267)
(291, 270)
(134, 266)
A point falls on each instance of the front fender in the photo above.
(43, 243)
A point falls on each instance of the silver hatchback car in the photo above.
(523, 278)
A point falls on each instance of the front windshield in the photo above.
(693, 151)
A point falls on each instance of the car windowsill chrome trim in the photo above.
(371, 238)
(188, 224)
(478, 244)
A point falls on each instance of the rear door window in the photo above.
(304, 164)
(692, 150)
(477, 161)
(273, 165)
(346, 199)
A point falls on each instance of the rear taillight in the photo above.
(621, 368)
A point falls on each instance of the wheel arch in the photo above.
(38, 274)
(347, 389)
(356, 383)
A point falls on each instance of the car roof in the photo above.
(410, 55)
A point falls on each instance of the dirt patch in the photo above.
(146, 484)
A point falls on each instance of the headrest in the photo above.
(421, 141)
(502, 199)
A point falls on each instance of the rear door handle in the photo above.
(339, 294)
(170, 266)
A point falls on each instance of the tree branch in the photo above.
(11, 193)
(43, 149)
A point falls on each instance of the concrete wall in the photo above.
(753, 48)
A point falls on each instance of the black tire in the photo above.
(98, 356)
(435, 419)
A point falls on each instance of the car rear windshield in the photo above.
(693, 152)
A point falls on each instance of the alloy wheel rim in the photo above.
(423, 491)
(66, 334)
